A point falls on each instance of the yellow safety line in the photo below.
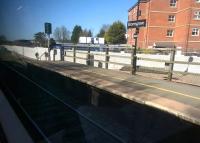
(151, 86)
(147, 85)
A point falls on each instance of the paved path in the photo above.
(179, 99)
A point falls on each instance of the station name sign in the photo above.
(136, 24)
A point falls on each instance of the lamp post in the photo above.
(134, 57)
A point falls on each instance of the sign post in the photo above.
(135, 24)
(48, 31)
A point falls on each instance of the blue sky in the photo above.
(20, 19)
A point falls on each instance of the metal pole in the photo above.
(171, 65)
(23, 51)
(54, 54)
(88, 57)
(74, 54)
(49, 58)
(133, 56)
(107, 57)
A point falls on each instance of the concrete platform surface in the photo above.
(181, 100)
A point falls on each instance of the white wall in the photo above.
(30, 52)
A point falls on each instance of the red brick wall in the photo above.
(156, 13)
(161, 5)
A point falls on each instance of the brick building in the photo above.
(168, 21)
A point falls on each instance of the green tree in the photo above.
(116, 33)
(86, 33)
(52, 42)
(103, 30)
(76, 33)
(101, 33)
(2, 39)
(90, 33)
(40, 39)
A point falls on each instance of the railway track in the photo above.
(53, 119)
(58, 109)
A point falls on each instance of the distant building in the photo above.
(28, 43)
(91, 40)
(169, 22)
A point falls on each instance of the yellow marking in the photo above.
(147, 85)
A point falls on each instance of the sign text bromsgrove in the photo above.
(136, 24)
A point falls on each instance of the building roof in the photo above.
(140, 1)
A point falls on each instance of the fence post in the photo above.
(74, 54)
(107, 57)
(171, 65)
(100, 65)
(88, 57)
(62, 53)
(54, 55)
(133, 61)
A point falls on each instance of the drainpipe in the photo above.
(189, 22)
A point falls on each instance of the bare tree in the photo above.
(86, 33)
(57, 34)
(61, 34)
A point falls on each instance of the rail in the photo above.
(66, 105)
(89, 58)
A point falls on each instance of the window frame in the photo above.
(171, 18)
(196, 15)
(173, 3)
(197, 1)
(195, 32)
(171, 31)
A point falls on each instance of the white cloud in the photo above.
(19, 8)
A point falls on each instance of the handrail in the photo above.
(114, 47)
(69, 106)
(138, 58)
(123, 64)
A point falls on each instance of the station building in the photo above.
(175, 22)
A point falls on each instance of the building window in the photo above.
(170, 33)
(197, 15)
(195, 32)
(197, 1)
(172, 3)
(171, 18)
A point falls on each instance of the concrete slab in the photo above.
(178, 99)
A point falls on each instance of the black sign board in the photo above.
(136, 24)
(47, 27)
